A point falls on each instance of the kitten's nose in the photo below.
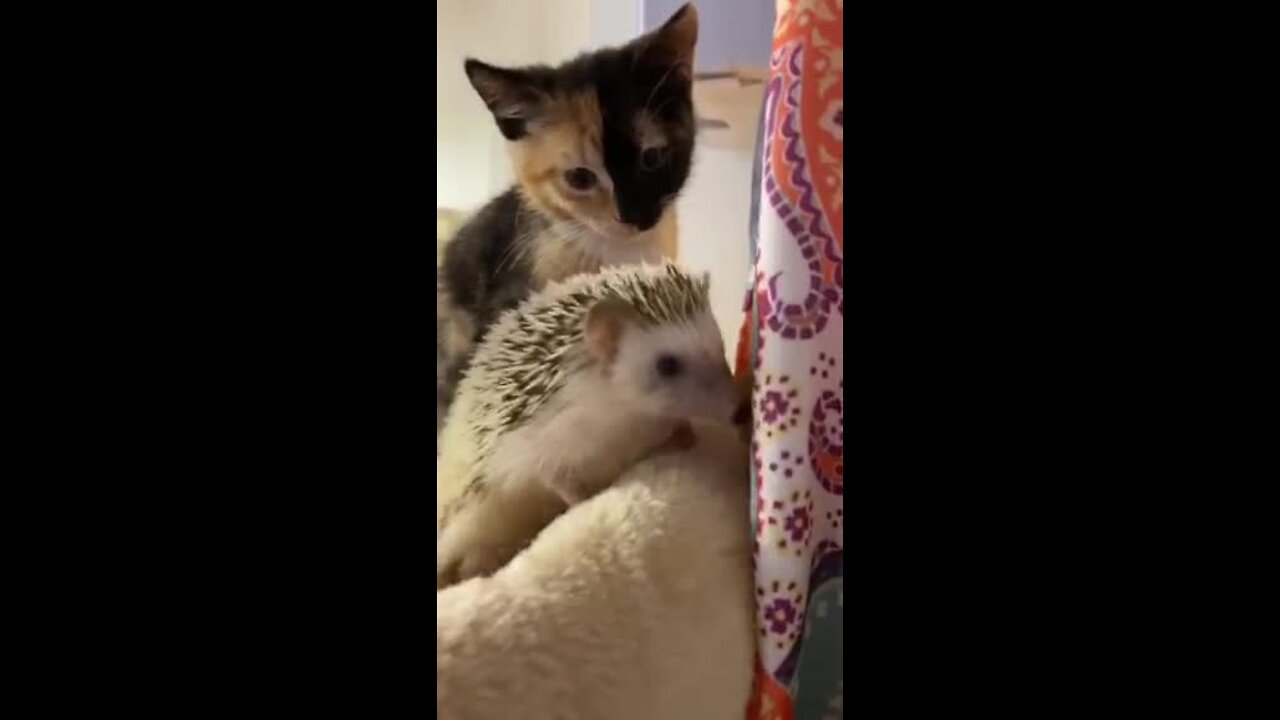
(641, 219)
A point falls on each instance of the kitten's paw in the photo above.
(479, 561)
(446, 575)
(680, 440)
(482, 561)
(448, 561)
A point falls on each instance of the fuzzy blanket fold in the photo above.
(634, 604)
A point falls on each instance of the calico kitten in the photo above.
(601, 146)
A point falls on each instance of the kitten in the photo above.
(601, 146)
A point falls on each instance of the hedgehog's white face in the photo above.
(676, 371)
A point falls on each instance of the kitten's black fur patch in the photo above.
(484, 272)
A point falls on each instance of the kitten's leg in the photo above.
(483, 536)
(571, 488)
(680, 440)
(467, 548)
(471, 562)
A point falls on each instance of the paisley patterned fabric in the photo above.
(792, 342)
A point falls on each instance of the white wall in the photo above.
(463, 127)
(614, 22)
(731, 33)
(715, 211)
(471, 162)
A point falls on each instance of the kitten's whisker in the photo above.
(574, 232)
(665, 103)
(527, 248)
(655, 89)
(510, 253)
(521, 246)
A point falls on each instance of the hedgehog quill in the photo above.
(568, 390)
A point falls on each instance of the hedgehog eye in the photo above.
(668, 366)
(580, 179)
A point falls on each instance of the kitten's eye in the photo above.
(668, 366)
(653, 158)
(580, 178)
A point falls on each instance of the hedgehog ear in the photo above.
(605, 324)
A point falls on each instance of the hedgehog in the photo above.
(566, 391)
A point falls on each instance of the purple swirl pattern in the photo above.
(806, 224)
(826, 442)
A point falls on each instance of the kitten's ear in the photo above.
(606, 323)
(676, 39)
(511, 95)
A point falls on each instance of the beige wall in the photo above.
(715, 211)
(471, 164)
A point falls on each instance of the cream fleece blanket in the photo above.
(634, 604)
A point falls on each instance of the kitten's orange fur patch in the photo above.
(569, 136)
